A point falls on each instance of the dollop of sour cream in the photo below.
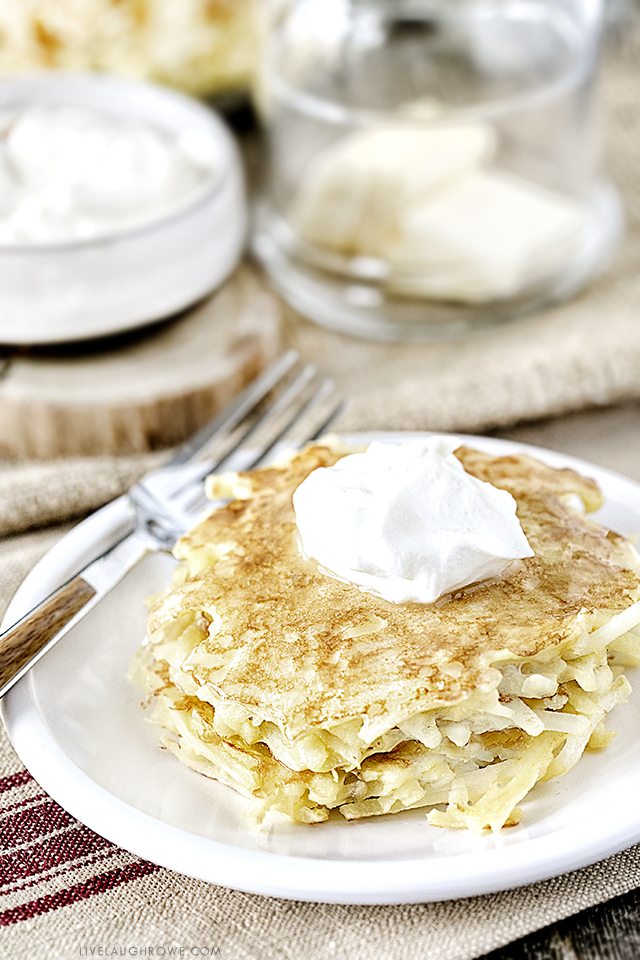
(406, 522)
(68, 173)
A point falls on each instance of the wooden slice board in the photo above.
(141, 392)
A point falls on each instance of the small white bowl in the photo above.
(81, 289)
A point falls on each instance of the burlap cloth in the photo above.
(64, 892)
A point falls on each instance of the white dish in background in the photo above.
(75, 722)
(81, 289)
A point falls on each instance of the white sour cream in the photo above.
(78, 174)
(406, 522)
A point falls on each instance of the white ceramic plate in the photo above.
(76, 724)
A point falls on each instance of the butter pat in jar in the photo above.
(433, 165)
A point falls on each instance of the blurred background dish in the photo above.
(122, 204)
(204, 47)
(433, 167)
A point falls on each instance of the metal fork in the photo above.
(286, 398)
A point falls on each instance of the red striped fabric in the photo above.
(76, 892)
(47, 859)
(54, 874)
(27, 825)
(39, 857)
(28, 801)
(15, 780)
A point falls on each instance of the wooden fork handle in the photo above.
(23, 643)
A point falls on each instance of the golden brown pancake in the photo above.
(312, 695)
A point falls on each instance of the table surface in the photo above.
(611, 931)
(608, 932)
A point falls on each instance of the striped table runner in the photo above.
(47, 859)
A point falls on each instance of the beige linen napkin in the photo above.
(583, 353)
(64, 890)
(160, 909)
(91, 895)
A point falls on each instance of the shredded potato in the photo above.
(203, 46)
(524, 715)
(471, 764)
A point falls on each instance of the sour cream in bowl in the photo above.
(121, 204)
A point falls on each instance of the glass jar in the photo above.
(433, 165)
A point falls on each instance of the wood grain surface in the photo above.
(610, 931)
(139, 392)
(27, 638)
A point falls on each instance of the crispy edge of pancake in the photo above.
(421, 680)
(477, 788)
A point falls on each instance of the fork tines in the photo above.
(289, 404)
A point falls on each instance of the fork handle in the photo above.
(26, 640)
